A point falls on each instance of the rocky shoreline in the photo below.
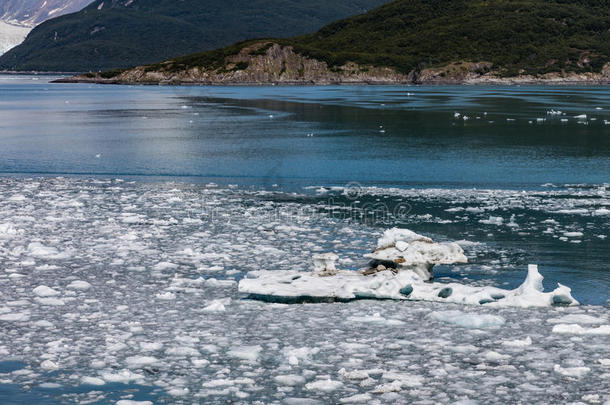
(265, 63)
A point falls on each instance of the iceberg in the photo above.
(400, 269)
(404, 250)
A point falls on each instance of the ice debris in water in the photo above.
(401, 266)
(121, 332)
(465, 320)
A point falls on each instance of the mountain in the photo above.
(121, 33)
(17, 17)
(417, 41)
(29, 13)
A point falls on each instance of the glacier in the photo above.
(11, 35)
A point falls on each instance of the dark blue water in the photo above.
(307, 135)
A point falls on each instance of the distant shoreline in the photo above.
(271, 64)
(488, 82)
(36, 73)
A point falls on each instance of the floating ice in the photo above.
(575, 329)
(140, 361)
(79, 285)
(466, 320)
(122, 376)
(402, 263)
(92, 381)
(44, 291)
(50, 301)
(49, 365)
(289, 379)
(578, 318)
(15, 317)
(405, 250)
(120, 317)
(324, 385)
(248, 353)
(217, 305)
(166, 296)
(299, 355)
(576, 372)
(357, 399)
(518, 343)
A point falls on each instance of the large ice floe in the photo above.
(400, 268)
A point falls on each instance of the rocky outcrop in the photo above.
(279, 65)
(271, 63)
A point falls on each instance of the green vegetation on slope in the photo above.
(517, 36)
(112, 34)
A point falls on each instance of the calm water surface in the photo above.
(308, 135)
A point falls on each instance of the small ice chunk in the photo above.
(518, 343)
(150, 346)
(15, 317)
(44, 291)
(212, 282)
(248, 353)
(495, 356)
(573, 234)
(576, 372)
(492, 221)
(166, 296)
(289, 379)
(217, 305)
(161, 266)
(575, 329)
(324, 385)
(123, 376)
(79, 285)
(375, 318)
(140, 361)
(50, 301)
(49, 365)
(299, 355)
(578, 318)
(92, 381)
(357, 399)
(468, 320)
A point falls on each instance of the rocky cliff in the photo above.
(264, 62)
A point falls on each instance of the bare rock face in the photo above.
(268, 62)
(606, 72)
(277, 65)
(455, 72)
